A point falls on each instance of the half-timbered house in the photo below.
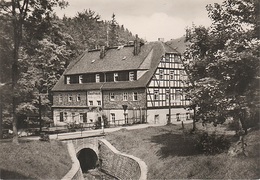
(131, 83)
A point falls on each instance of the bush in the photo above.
(98, 123)
(44, 137)
(212, 144)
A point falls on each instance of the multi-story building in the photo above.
(139, 82)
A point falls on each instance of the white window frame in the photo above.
(68, 80)
(112, 96)
(90, 103)
(115, 77)
(99, 103)
(80, 79)
(167, 94)
(60, 98)
(131, 75)
(156, 95)
(78, 97)
(171, 74)
(113, 117)
(125, 96)
(135, 96)
(161, 73)
(70, 98)
(97, 78)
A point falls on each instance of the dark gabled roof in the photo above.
(147, 60)
(178, 44)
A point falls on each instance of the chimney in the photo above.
(161, 39)
(102, 52)
(137, 45)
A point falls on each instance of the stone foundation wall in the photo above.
(75, 172)
(119, 165)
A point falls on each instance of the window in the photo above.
(177, 75)
(60, 97)
(161, 73)
(178, 94)
(187, 116)
(112, 96)
(113, 117)
(80, 79)
(61, 117)
(69, 98)
(167, 94)
(65, 116)
(97, 78)
(156, 94)
(81, 117)
(135, 96)
(99, 103)
(91, 103)
(171, 74)
(167, 117)
(125, 96)
(115, 77)
(178, 116)
(73, 117)
(78, 97)
(167, 57)
(68, 80)
(131, 76)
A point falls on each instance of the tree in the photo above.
(223, 62)
(32, 16)
(113, 36)
(85, 29)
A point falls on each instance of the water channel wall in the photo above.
(75, 172)
(119, 165)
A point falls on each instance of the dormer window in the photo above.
(97, 78)
(80, 79)
(115, 77)
(131, 76)
(67, 80)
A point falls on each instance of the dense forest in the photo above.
(47, 46)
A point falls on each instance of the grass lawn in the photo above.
(171, 155)
(34, 160)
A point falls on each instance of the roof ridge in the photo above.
(171, 48)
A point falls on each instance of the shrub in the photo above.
(212, 144)
(44, 137)
(98, 123)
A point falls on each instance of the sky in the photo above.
(150, 19)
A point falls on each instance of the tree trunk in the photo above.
(16, 39)
(40, 112)
(14, 84)
(1, 120)
(243, 131)
(194, 119)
